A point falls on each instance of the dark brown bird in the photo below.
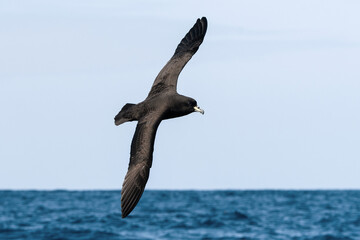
(163, 102)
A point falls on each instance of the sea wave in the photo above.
(298, 215)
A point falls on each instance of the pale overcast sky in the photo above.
(279, 82)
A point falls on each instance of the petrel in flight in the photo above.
(163, 102)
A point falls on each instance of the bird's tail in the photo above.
(126, 114)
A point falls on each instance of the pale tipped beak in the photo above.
(197, 109)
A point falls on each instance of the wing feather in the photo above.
(142, 147)
(168, 76)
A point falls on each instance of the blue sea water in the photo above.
(300, 215)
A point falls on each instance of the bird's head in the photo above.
(181, 106)
(191, 106)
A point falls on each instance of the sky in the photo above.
(279, 82)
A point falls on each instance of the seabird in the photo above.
(163, 102)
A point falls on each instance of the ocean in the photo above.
(300, 215)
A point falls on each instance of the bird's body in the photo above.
(163, 102)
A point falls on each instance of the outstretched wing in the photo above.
(168, 76)
(142, 148)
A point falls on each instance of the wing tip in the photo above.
(129, 203)
(133, 187)
(124, 213)
(203, 20)
(194, 37)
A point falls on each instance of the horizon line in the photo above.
(184, 190)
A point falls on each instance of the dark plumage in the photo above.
(163, 102)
